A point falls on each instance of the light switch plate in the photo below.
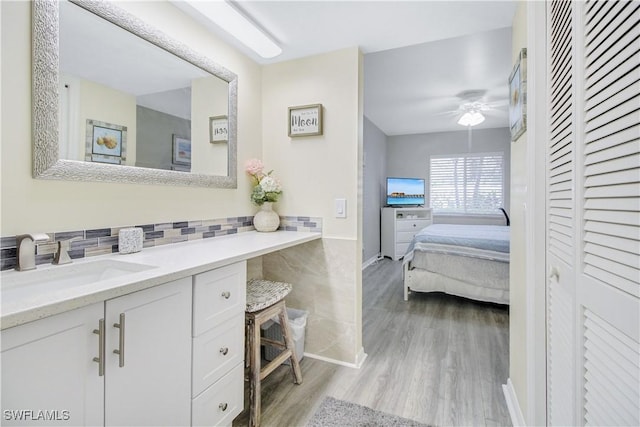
(341, 208)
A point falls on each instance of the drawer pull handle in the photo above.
(226, 294)
(223, 406)
(224, 350)
(100, 359)
(120, 350)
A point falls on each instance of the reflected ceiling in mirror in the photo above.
(140, 108)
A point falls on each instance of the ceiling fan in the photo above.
(473, 106)
(472, 109)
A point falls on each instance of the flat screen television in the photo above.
(405, 191)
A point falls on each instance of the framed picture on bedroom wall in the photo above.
(518, 97)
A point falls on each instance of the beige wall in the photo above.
(30, 205)
(208, 99)
(314, 172)
(104, 104)
(520, 251)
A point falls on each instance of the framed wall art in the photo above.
(105, 142)
(518, 97)
(305, 120)
(181, 150)
(218, 129)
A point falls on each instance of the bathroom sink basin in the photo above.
(60, 278)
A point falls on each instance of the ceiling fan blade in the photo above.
(451, 113)
(498, 104)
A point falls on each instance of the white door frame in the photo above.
(536, 402)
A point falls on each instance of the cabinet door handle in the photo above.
(100, 359)
(224, 350)
(223, 406)
(226, 294)
(120, 350)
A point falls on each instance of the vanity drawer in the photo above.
(222, 402)
(414, 225)
(218, 295)
(215, 352)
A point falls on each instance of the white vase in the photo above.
(266, 219)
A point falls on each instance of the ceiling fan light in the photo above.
(471, 118)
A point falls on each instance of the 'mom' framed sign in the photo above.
(305, 120)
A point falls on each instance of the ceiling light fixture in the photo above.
(471, 118)
(230, 19)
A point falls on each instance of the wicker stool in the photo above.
(265, 299)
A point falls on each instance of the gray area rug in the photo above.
(338, 413)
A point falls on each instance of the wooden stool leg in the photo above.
(247, 334)
(254, 375)
(288, 339)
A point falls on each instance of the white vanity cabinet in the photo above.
(183, 353)
(171, 355)
(53, 364)
(149, 381)
(218, 345)
(47, 365)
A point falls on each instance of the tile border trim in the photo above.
(104, 240)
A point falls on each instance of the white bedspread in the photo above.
(476, 241)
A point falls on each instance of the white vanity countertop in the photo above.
(167, 262)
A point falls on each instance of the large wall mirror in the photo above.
(119, 101)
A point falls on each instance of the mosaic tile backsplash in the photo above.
(105, 240)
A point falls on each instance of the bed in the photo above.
(470, 261)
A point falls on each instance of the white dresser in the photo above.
(399, 225)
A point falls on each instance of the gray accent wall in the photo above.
(375, 166)
(154, 141)
(408, 155)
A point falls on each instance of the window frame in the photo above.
(467, 209)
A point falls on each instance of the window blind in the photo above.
(467, 183)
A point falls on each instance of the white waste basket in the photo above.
(273, 330)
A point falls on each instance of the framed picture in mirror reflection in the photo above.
(218, 129)
(181, 150)
(105, 142)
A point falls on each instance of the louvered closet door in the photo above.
(561, 232)
(605, 315)
(609, 289)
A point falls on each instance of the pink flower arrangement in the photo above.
(266, 188)
(254, 167)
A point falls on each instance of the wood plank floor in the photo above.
(435, 359)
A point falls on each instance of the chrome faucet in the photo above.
(26, 250)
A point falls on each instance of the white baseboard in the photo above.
(360, 358)
(512, 404)
(371, 260)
